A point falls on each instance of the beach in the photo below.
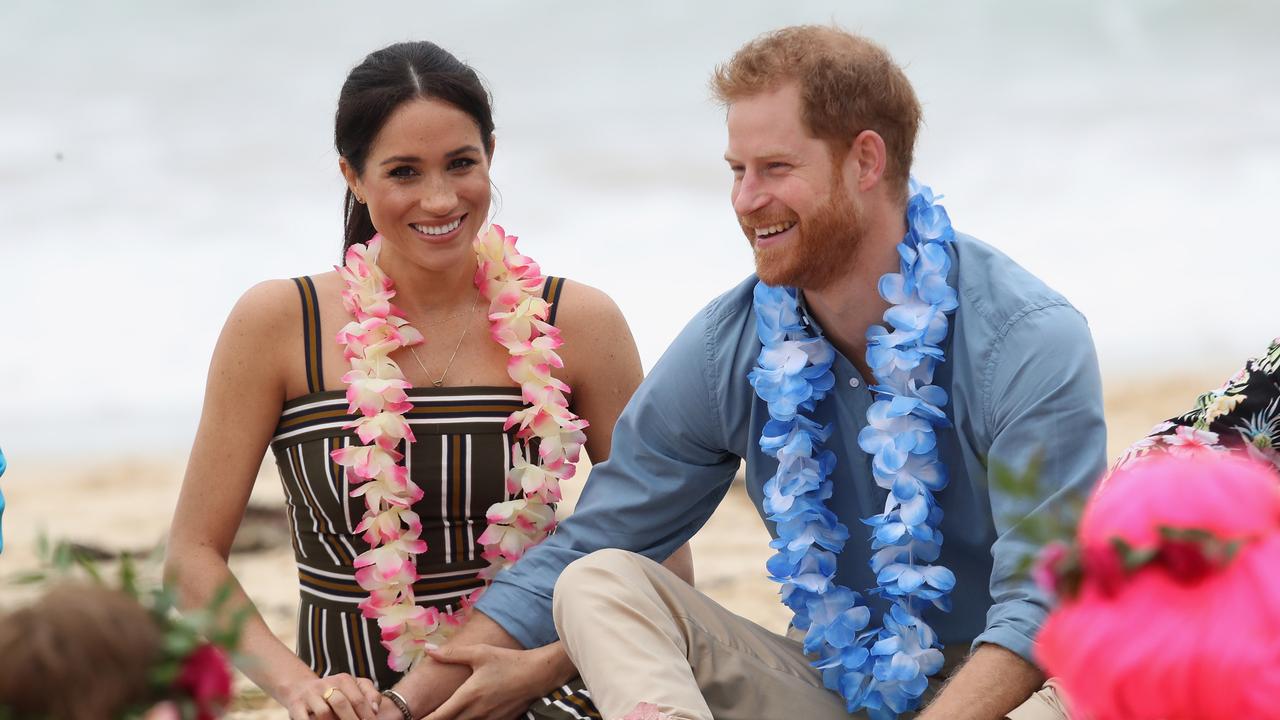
(124, 505)
(160, 159)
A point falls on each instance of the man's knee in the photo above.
(601, 566)
(600, 575)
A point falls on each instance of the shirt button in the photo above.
(853, 382)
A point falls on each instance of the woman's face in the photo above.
(426, 182)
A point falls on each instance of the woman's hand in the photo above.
(502, 684)
(336, 697)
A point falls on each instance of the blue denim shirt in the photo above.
(1022, 377)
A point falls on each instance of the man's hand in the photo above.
(430, 683)
(503, 682)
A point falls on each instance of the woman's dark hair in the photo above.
(383, 82)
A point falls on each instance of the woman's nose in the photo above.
(438, 197)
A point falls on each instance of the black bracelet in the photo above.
(398, 699)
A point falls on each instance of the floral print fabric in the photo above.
(1242, 416)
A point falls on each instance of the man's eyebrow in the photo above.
(763, 157)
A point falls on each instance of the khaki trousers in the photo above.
(637, 633)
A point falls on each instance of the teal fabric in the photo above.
(3, 465)
(1022, 376)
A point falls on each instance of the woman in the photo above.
(414, 132)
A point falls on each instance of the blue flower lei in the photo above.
(883, 670)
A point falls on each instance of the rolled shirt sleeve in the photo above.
(1043, 397)
(667, 471)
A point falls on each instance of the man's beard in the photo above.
(822, 251)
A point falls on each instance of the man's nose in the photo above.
(748, 196)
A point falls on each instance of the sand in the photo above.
(125, 504)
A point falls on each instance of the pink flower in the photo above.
(368, 461)
(370, 395)
(386, 429)
(163, 711)
(534, 481)
(388, 565)
(1048, 566)
(1188, 441)
(646, 711)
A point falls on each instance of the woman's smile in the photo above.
(434, 231)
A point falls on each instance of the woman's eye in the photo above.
(460, 163)
(402, 171)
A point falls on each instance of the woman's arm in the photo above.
(243, 399)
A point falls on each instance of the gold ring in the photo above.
(329, 693)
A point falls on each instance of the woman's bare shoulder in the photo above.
(585, 310)
(276, 305)
(268, 306)
(598, 345)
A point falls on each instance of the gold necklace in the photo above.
(465, 329)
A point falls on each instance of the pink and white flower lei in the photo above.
(376, 387)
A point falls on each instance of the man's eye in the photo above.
(778, 166)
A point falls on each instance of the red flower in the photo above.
(206, 678)
(1104, 568)
(1185, 560)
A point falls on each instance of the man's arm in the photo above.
(667, 471)
(1043, 398)
(991, 683)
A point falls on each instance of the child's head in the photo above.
(80, 652)
(1193, 631)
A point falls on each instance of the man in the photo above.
(821, 129)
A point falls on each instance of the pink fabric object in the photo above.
(646, 711)
(1164, 642)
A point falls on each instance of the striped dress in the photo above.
(460, 461)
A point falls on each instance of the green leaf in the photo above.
(180, 644)
(88, 566)
(30, 577)
(1133, 558)
(128, 575)
(62, 558)
(42, 545)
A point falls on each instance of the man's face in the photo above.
(789, 193)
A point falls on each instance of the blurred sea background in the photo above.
(159, 158)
